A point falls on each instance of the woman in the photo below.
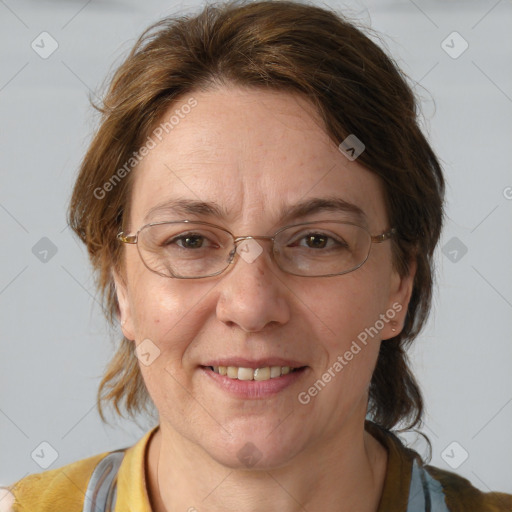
(261, 209)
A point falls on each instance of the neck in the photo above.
(344, 474)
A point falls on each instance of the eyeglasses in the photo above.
(193, 250)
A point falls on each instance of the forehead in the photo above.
(254, 154)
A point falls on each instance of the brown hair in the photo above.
(287, 46)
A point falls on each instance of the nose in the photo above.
(252, 295)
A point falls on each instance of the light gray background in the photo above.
(54, 341)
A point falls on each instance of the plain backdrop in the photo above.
(54, 340)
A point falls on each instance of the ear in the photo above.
(399, 297)
(123, 300)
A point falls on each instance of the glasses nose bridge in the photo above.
(237, 239)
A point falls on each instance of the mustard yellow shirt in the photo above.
(63, 489)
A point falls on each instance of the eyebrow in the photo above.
(289, 213)
(187, 206)
(320, 205)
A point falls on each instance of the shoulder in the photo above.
(461, 496)
(57, 490)
(411, 482)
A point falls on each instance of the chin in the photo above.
(255, 448)
(252, 457)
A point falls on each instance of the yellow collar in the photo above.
(132, 495)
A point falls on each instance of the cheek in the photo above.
(344, 322)
(167, 321)
(344, 318)
(346, 306)
(160, 307)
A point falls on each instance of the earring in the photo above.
(393, 328)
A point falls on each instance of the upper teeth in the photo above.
(240, 373)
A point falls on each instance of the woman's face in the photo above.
(244, 159)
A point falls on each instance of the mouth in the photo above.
(258, 374)
(250, 379)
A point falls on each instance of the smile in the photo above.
(258, 374)
(259, 382)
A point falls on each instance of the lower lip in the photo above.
(254, 389)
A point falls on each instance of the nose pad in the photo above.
(231, 255)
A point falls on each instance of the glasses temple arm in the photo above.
(127, 239)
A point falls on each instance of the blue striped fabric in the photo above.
(101, 490)
(425, 493)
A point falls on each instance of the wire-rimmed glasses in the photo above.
(188, 249)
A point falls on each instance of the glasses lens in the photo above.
(185, 249)
(322, 249)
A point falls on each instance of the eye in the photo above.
(316, 240)
(190, 241)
